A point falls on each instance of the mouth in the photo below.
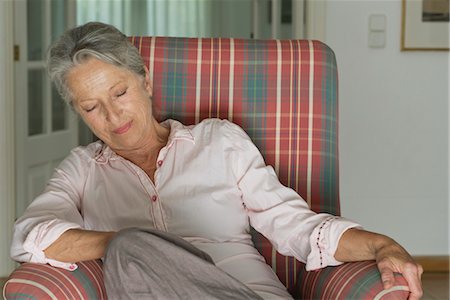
(123, 129)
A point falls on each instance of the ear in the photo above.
(147, 82)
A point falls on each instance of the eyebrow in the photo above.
(115, 84)
(109, 90)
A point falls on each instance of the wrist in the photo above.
(380, 243)
(108, 236)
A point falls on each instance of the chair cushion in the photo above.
(36, 281)
(359, 280)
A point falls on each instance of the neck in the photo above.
(145, 157)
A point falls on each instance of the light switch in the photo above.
(377, 31)
(377, 39)
(377, 23)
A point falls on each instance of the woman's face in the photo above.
(114, 102)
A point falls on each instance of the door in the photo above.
(46, 129)
(199, 18)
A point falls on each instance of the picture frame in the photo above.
(425, 25)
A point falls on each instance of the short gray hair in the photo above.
(91, 40)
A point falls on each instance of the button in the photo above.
(154, 198)
(160, 162)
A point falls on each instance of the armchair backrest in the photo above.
(283, 93)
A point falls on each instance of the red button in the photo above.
(160, 162)
(154, 198)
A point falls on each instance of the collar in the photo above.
(178, 132)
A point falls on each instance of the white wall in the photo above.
(393, 129)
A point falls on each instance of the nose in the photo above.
(113, 113)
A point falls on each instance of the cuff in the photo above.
(324, 241)
(42, 236)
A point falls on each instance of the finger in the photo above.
(387, 277)
(420, 271)
(412, 273)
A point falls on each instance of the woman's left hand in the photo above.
(392, 258)
(357, 245)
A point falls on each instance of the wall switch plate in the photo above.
(377, 31)
(377, 39)
(377, 22)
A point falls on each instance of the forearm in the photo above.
(76, 245)
(358, 245)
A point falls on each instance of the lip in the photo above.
(123, 129)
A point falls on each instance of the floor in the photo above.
(436, 286)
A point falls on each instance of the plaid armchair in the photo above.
(284, 93)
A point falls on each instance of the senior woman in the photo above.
(191, 190)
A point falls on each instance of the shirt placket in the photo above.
(157, 212)
(156, 209)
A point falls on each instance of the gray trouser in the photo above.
(150, 264)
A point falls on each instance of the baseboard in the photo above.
(434, 263)
(2, 283)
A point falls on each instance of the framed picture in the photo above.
(425, 25)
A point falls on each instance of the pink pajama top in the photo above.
(210, 185)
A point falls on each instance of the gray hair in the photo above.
(91, 40)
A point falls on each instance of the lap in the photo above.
(150, 264)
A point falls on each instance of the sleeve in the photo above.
(279, 213)
(51, 214)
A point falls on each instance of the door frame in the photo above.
(7, 132)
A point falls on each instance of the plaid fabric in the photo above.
(282, 92)
(359, 281)
(35, 281)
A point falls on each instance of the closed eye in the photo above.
(121, 93)
(90, 108)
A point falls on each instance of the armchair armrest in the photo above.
(37, 281)
(358, 280)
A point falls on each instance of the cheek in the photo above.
(146, 112)
(142, 107)
(94, 124)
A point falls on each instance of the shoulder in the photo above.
(70, 175)
(82, 156)
(89, 152)
(220, 126)
(221, 133)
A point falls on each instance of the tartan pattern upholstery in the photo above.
(358, 281)
(35, 281)
(284, 94)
